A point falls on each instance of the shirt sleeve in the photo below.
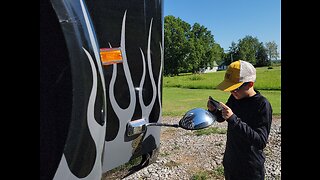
(257, 136)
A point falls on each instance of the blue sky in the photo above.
(231, 20)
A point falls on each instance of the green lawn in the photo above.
(186, 91)
(177, 101)
(267, 79)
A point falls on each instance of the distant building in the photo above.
(209, 69)
(222, 66)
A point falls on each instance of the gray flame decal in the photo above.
(157, 132)
(146, 110)
(118, 148)
(128, 112)
(118, 151)
(96, 130)
(159, 81)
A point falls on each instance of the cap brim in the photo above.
(228, 86)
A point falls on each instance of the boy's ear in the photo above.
(250, 84)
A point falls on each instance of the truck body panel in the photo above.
(91, 102)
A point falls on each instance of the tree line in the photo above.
(189, 48)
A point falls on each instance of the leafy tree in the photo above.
(176, 48)
(187, 49)
(197, 48)
(216, 54)
(262, 57)
(248, 48)
(203, 49)
(272, 50)
(233, 53)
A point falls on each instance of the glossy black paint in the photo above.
(107, 20)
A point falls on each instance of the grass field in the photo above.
(177, 101)
(267, 79)
(187, 91)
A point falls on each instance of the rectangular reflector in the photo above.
(110, 56)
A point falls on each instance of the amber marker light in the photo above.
(110, 56)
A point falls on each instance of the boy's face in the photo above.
(240, 92)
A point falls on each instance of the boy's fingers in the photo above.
(224, 106)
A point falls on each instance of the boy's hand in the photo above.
(226, 111)
(213, 104)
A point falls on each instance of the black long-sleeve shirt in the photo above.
(247, 135)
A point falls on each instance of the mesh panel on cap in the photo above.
(247, 72)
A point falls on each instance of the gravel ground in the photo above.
(184, 155)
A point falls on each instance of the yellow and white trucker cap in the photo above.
(237, 73)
